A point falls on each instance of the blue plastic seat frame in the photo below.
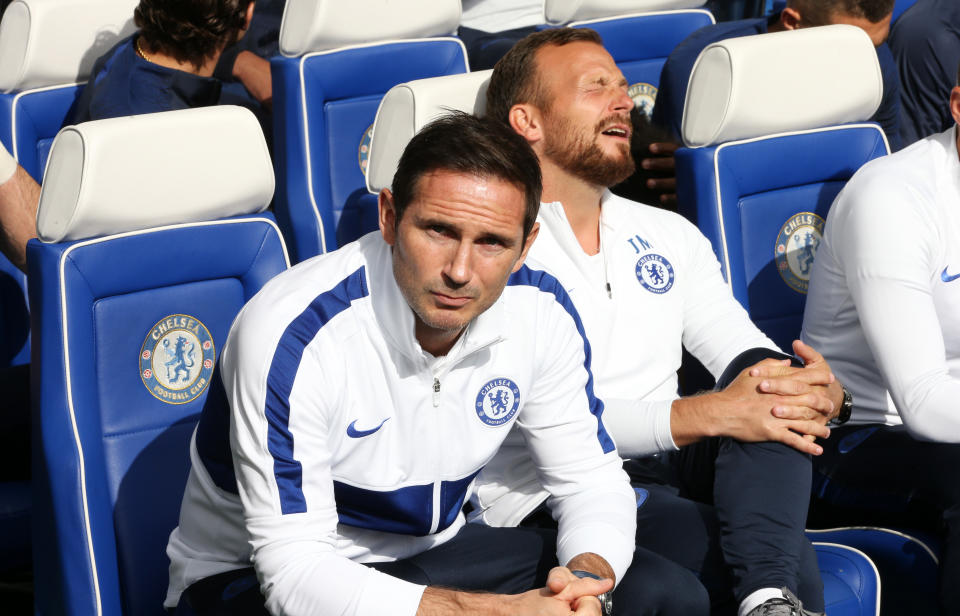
(740, 194)
(324, 105)
(110, 459)
(851, 581)
(907, 562)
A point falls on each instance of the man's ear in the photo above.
(387, 216)
(791, 18)
(249, 16)
(527, 243)
(955, 110)
(527, 121)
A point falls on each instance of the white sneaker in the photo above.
(788, 605)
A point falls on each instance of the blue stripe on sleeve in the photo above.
(283, 370)
(548, 284)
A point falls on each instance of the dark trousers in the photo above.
(879, 475)
(480, 558)
(732, 512)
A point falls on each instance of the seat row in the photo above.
(101, 433)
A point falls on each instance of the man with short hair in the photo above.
(368, 387)
(883, 306)
(169, 63)
(872, 16)
(646, 284)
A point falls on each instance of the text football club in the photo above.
(644, 96)
(498, 401)
(796, 247)
(177, 358)
(655, 273)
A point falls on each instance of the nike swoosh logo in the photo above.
(944, 277)
(352, 431)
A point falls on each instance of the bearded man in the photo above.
(728, 499)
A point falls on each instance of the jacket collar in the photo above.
(554, 218)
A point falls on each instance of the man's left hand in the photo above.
(661, 160)
(580, 593)
(815, 378)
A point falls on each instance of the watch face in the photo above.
(606, 603)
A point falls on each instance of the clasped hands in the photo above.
(774, 401)
(564, 595)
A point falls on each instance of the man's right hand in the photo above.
(744, 411)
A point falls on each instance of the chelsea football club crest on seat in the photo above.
(176, 359)
(644, 95)
(363, 152)
(498, 401)
(655, 273)
(796, 247)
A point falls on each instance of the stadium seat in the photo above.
(768, 149)
(339, 58)
(851, 582)
(639, 35)
(907, 563)
(46, 48)
(134, 285)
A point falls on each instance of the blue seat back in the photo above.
(907, 562)
(762, 203)
(641, 43)
(851, 582)
(324, 107)
(111, 432)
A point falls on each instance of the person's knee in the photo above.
(655, 585)
(765, 452)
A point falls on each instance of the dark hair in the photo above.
(467, 144)
(818, 12)
(190, 30)
(514, 78)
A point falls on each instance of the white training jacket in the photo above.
(666, 293)
(884, 300)
(350, 444)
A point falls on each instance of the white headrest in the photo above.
(408, 107)
(130, 173)
(565, 11)
(780, 82)
(54, 42)
(318, 25)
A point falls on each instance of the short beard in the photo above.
(586, 161)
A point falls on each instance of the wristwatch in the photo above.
(605, 598)
(846, 407)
